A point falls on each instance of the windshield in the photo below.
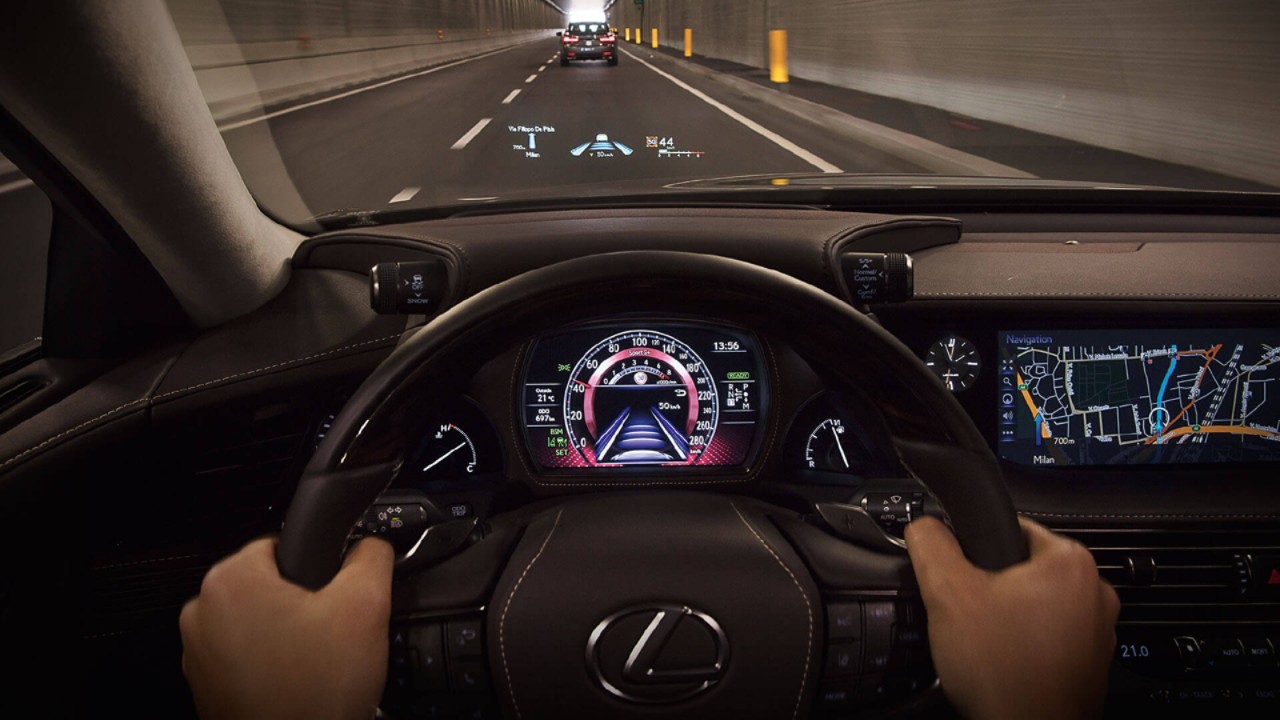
(334, 107)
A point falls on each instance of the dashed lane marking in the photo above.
(471, 134)
(404, 195)
(507, 100)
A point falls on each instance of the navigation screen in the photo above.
(1099, 397)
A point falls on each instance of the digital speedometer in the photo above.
(646, 395)
(640, 397)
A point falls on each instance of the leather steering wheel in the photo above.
(617, 602)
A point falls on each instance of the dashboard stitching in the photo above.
(502, 623)
(1154, 516)
(828, 247)
(277, 365)
(146, 562)
(69, 431)
(464, 266)
(808, 607)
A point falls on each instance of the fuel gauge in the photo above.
(834, 440)
(825, 448)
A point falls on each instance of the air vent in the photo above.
(1187, 576)
(240, 470)
(130, 593)
(226, 478)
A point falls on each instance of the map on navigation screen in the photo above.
(1086, 397)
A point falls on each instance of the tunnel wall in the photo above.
(253, 53)
(1185, 81)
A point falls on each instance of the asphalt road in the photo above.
(509, 123)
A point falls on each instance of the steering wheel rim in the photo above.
(933, 435)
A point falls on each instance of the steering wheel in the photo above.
(620, 603)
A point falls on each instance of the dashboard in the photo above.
(1088, 379)
(1146, 428)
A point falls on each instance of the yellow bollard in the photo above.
(655, 38)
(628, 35)
(638, 40)
(778, 56)
(688, 42)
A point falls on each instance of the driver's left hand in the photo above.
(258, 646)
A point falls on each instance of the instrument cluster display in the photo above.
(643, 395)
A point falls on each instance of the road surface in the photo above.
(509, 123)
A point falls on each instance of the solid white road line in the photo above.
(512, 96)
(531, 78)
(471, 134)
(772, 136)
(357, 91)
(404, 195)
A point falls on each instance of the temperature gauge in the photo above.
(457, 445)
(448, 453)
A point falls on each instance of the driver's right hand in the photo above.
(1032, 640)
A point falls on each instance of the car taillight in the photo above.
(569, 39)
(610, 38)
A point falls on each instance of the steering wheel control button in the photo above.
(838, 694)
(878, 641)
(843, 659)
(844, 621)
(429, 644)
(408, 288)
(893, 511)
(658, 654)
(463, 639)
(470, 675)
(400, 523)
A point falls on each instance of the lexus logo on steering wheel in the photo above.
(658, 653)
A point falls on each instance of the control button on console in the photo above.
(1189, 651)
(1266, 576)
(1259, 652)
(1222, 654)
